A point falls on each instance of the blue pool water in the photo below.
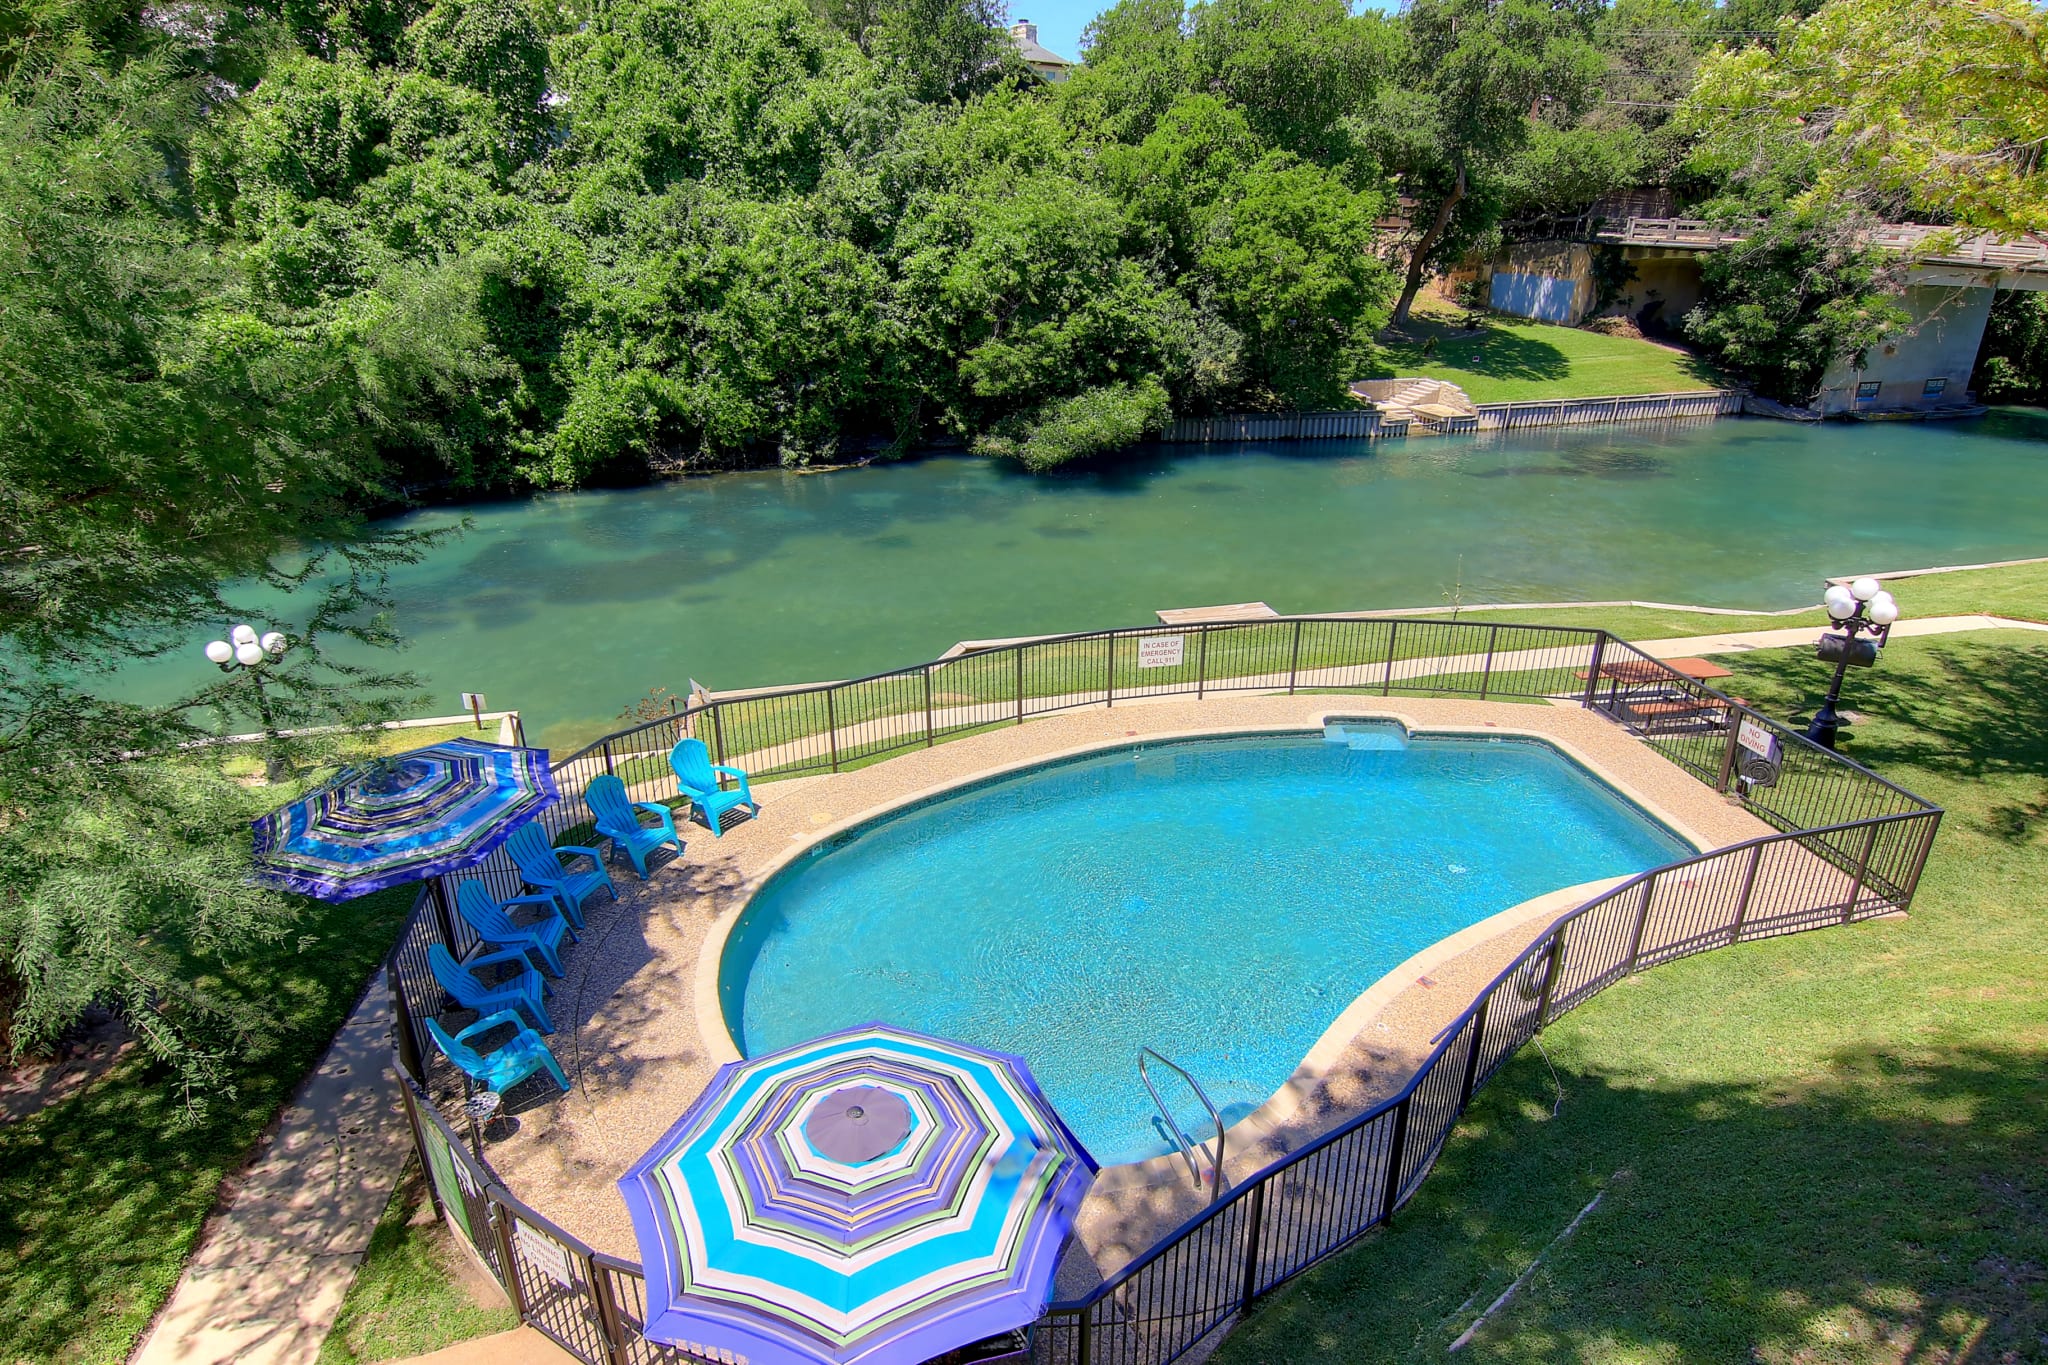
(1221, 901)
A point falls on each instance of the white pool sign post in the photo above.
(1859, 608)
(473, 702)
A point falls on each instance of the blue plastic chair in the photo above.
(494, 924)
(697, 778)
(503, 1067)
(543, 867)
(523, 991)
(618, 819)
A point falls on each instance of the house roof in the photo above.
(1025, 35)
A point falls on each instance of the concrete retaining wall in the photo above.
(1367, 425)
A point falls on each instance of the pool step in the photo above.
(1367, 734)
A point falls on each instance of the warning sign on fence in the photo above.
(1162, 651)
(543, 1253)
(1752, 736)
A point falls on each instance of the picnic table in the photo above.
(1638, 692)
(1653, 670)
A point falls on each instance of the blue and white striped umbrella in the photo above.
(874, 1196)
(403, 819)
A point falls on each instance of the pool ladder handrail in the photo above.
(1187, 1147)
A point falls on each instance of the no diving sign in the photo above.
(1752, 736)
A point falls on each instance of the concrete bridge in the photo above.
(1948, 292)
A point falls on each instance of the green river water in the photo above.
(569, 606)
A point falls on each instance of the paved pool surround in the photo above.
(641, 1030)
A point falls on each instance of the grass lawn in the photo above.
(358, 746)
(414, 1292)
(1821, 1148)
(1512, 360)
(102, 1194)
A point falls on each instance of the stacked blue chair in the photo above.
(618, 819)
(549, 868)
(503, 1067)
(494, 924)
(523, 991)
(697, 778)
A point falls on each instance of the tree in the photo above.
(163, 437)
(1933, 107)
(1473, 73)
(1804, 290)
(2012, 367)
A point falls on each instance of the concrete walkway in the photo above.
(273, 1265)
(520, 1346)
(1743, 641)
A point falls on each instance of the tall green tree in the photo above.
(1929, 107)
(1473, 75)
(164, 436)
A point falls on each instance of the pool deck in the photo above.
(639, 1033)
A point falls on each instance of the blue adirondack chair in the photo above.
(502, 1067)
(697, 778)
(545, 868)
(523, 991)
(618, 819)
(494, 924)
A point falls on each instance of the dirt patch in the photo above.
(85, 1054)
(1615, 325)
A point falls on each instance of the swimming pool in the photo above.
(1220, 900)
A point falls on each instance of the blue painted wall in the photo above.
(1546, 298)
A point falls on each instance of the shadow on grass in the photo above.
(1702, 371)
(1961, 711)
(1495, 353)
(1892, 1208)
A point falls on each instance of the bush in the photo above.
(2013, 367)
(1089, 423)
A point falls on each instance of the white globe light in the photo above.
(220, 651)
(243, 635)
(273, 643)
(249, 653)
(1840, 604)
(1863, 589)
(1883, 610)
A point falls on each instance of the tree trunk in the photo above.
(1413, 284)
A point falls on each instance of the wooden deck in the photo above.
(1201, 616)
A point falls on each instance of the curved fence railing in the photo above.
(1851, 846)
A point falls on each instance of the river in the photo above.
(569, 606)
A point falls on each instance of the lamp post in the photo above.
(1861, 608)
(245, 651)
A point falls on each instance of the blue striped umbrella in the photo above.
(875, 1197)
(403, 819)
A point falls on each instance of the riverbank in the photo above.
(568, 607)
(1507, 360)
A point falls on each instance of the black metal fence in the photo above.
(1852, 846)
